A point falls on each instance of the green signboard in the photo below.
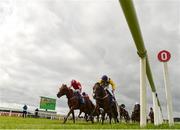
(47, 103)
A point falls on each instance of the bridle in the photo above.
(100, 98)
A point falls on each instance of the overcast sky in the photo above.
(44, 43)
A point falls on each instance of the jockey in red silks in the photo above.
(77, 87)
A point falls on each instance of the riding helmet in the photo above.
(83, 93)
(104, 78)
(73, 81)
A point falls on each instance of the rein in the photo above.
(102, 97)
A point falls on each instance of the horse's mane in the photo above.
(69, 92)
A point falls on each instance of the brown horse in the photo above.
(123, 113)
(135, 117)
(103, 101)
(73, 102)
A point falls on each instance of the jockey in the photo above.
(77, 87)
(123, 106)
(137, 107)
(85, 95)
(105, 82)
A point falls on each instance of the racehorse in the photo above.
(135, 117)
(103, 101)
(73, 102)
(95, 114)
(123, 113)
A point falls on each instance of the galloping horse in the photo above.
(103, 101)
(74, 103)
(123, 113)
(135, 117)
(96, 113)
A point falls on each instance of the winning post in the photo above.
(164, 56)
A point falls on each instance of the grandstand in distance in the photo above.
(5, 111)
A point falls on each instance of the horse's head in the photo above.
(95, 87)
(98, 90)
(63, 90)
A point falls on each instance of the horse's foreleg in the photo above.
(86, 117)
(114, 114)
(103, 117)
(110, 117)
(97, 118)
(92, 113)
(116, 117)
(117, 120)
(79, 114)
(68, 114)
(121, 118)
(73, 116)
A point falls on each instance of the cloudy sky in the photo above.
(44, 43)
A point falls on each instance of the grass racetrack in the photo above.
(37, 123)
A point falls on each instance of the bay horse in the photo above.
(73, 102)
(103, 101)
(123, 113)
(96, 114)
(135, 117)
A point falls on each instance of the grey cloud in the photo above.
(56, 41)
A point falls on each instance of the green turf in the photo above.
(32, 123)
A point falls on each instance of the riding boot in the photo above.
(81, 99)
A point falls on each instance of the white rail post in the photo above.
(160, 116)
(168, 94)
(10, 112)
(143, 102)
(155, 108)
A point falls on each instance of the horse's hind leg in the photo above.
(68, 115)
(110, 117)
(92, 113)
